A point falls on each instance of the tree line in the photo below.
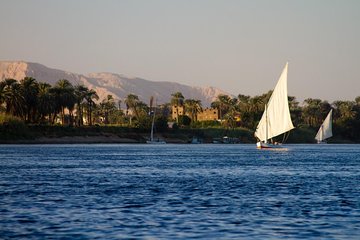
(40, 103)
(245, 111)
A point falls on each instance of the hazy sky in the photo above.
(238, 46)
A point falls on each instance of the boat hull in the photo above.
(156, 142)
(262, 145)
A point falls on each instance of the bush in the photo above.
(4, 119)
(13, 128)
(184, 120)
(207, 124)
(161, 124)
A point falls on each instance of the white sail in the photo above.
(152, 140)
(152, 127)
(276, 118)
(325, 130)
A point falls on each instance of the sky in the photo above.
(238, 46)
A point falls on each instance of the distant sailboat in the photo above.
(325, 130)
(276, 118)
(152, 140)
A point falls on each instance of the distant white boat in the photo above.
(325, 130)
(152, 140)
(156, 141)
(195, 140)
(276, 119)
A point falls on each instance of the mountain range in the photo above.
(109, 83)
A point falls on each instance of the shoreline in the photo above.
(83, 140)
(116, 140)
(71, 140)
(119, 135)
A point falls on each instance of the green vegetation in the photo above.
(30, 109)
(12, 128)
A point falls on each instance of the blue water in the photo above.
(179, 192)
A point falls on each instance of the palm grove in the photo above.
(40, 103)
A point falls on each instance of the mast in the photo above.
(152, 127)
(322, 133)
(153, 120)
(266, 124)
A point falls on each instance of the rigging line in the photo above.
(285, 136)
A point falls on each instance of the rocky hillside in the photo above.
(109, 83)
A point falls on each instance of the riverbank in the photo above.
(37, 134)
(72, 140)
(113, 134)
(110, 138)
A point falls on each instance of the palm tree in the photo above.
(45, 101)
(357, 100)
(257, 104)
(90, 95)
(243, 105)
(132, 102)
(177, 100)
(222, 103)
(312, 114)
(30, 90)
(250, 109)
(233, 111)
(107, 107)
(193, 107)
(346, 119)
(2, 93)
(344, 110)
(65, 98)
(243, 98)
(295, 110)
(144, 117)
(80, 94)
(11, 95)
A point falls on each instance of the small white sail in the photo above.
(325, 130)
(152, 140)
(152, 127)
(276, 118)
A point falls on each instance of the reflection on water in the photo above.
(179, 191)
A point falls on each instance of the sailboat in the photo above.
(276, 119)
(325, 130)
(152, 140)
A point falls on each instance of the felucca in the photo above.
(325, 130)
(276, 119)
(152, 140)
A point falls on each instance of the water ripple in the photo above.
(179, 192)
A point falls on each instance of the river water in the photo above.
(205, 191)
